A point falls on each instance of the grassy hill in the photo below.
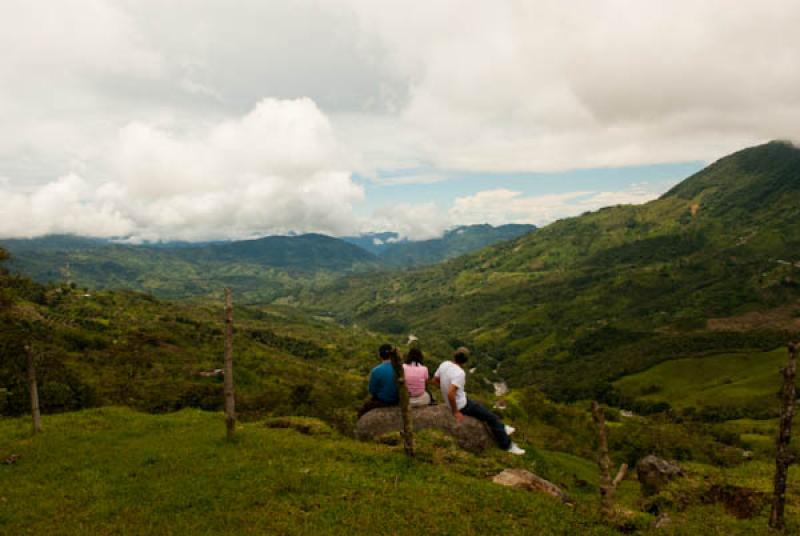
(731, 385)
(112, 471)
(258, 270)
(587, 300)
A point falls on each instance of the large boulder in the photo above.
(471, 434)
(654, 473)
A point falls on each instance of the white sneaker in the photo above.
(514, 449)
(510, 430)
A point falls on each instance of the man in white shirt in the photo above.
(450, 377)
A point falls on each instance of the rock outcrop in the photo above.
(522, 479)
(654, 473)
(471, 434)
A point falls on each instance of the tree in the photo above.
(230, 402)
(607, 486)
(405, 410)
(783, 458)
(33, 389)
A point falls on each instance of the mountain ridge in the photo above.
(613, 291)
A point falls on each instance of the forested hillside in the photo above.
(586, 300)
(99, 348)
(260, 271)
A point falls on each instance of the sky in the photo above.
(213, 119)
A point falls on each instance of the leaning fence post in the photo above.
(607, 486)
(33, 389)
(230, 402)
(783, 457)
(402, 393)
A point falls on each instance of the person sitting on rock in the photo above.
(450, 377)
(382, 386)
(417, 375)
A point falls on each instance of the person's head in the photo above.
(461, 355)
(414, 356)
(386, 351)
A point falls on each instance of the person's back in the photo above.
(382, 383)
(416, 377)
(451, 374)
(451, 378)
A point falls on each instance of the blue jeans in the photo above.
(479, 411)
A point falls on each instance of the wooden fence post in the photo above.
(34, 391)
(783, 457)
(230, 402)
(402, 393)
(607, 486)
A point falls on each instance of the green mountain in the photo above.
(459, 241)
(586, 300)
(259, 270)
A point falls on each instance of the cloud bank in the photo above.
(204, 119)
(274, 170)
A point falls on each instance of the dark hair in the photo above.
(385, 351)
(415, 356)
(461, 355)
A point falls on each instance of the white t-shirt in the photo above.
(451, 374)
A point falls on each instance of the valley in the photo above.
(675, 314)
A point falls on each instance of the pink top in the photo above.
(416, 376)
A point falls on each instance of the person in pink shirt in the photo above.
(416, 374)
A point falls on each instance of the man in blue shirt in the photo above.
(382, 385)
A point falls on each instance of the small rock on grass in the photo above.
(522, 479)
(654, 473)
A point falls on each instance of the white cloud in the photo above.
(66, 205)
(498, 207)
(274, 170)
(503, 206)
(415, 221)
(134, 99)
(549, 85)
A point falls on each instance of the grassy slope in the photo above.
(721, 380)
(111, 471)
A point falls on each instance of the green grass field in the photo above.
(115, 471)
(738, 380)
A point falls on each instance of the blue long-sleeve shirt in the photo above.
(381, 383)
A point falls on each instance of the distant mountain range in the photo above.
(260, 270)
(394, 251)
